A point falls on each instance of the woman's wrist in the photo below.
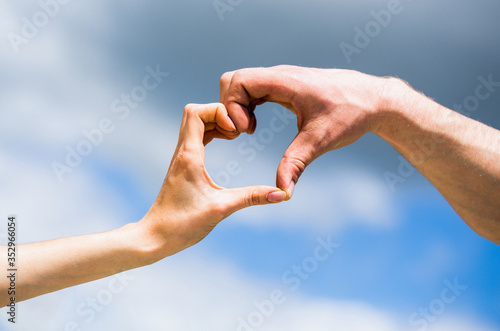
(143, 244)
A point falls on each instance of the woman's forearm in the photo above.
(460, 156)
(188, 206)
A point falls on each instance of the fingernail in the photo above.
(276, 196)
(291, 187)
(232, 123)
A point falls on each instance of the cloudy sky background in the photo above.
(398, 247)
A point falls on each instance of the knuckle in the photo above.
(297, 163)
(252, 198)
(236, 78)
(226, 77)
(219, 108)
(191, 110)
(239, 75)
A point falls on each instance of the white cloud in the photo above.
(196, 292)
(185, 292)
(48, 209)
(330, 199)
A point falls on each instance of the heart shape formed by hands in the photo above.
(190, 204)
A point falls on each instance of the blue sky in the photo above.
(397, 248)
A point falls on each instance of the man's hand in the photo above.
(334, 108)
(190, 204)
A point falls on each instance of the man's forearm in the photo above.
(458, 155)
(56, 264)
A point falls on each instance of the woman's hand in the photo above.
(190, 204)
(188, 207)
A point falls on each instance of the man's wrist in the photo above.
(406, 114)
(395, 98)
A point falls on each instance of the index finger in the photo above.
(195, 120)
(243, 89)
(245, 115)
(224, 82)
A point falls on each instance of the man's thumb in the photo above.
(301, 152)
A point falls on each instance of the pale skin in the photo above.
(335, 107)
(187, 208)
